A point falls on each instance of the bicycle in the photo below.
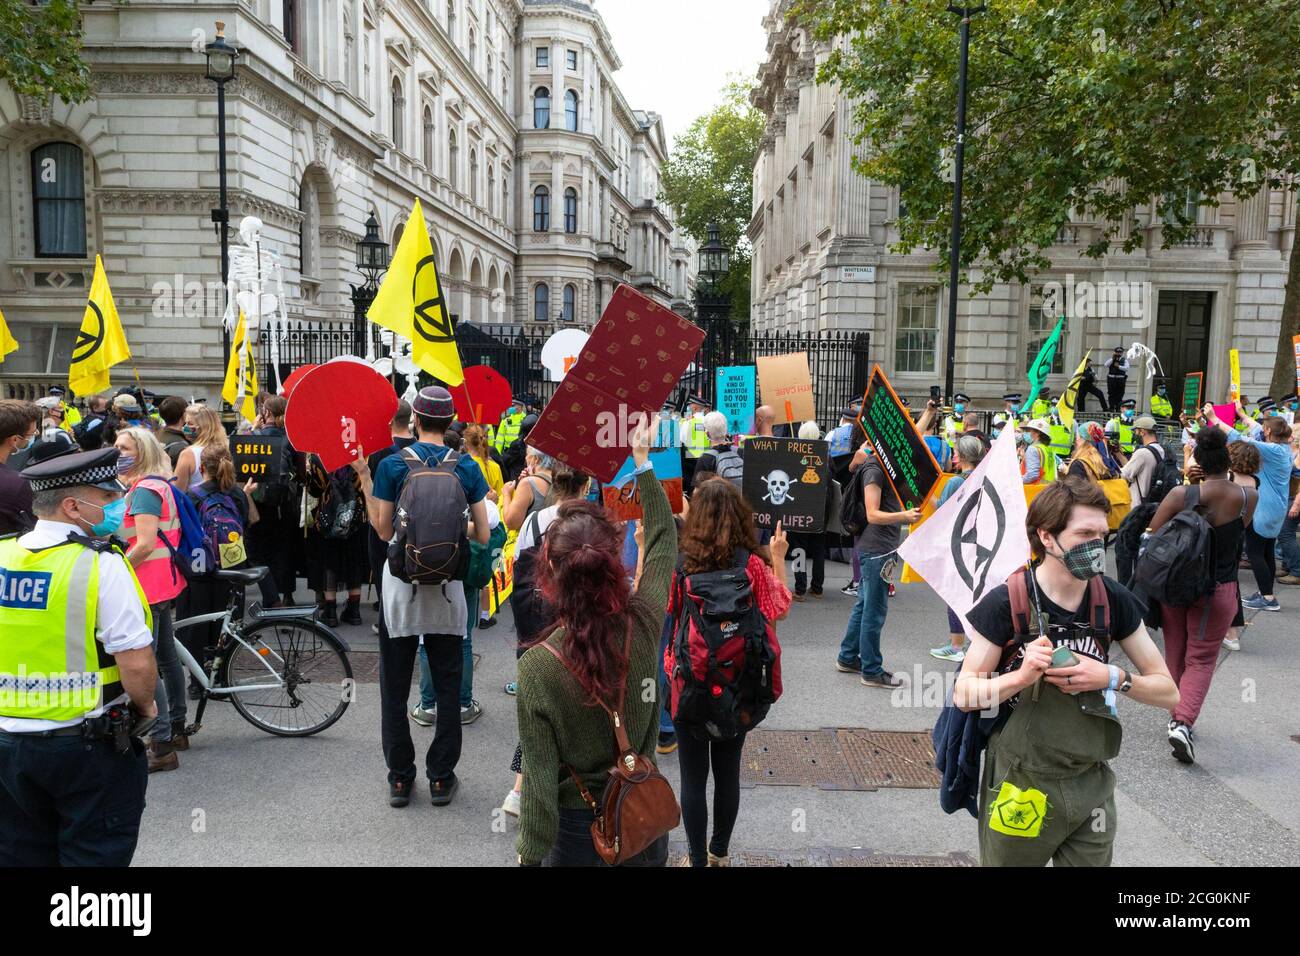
(280, 667)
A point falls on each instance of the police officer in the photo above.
(1116, 377)
(953, 425)
(1161, 407)
(508, 431)
(694, 438)
(71, 417)
(77, 674)
(1011, 406)
(1121, 426)
(1043, 404)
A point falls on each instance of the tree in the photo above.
(40, 49)
(1093, 106)
(710, 178)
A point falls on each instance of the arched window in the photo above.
(349, 51)
(59, 200)
(428, 139)
(309, 206)
(541, 301)
(451, 19)
(491, 69)
(571, 210)
(290, 9)
(570, 302)
(399, 113)
(541, 209)
(473, 175)
(473, 50)
(542, 108)
(453, 159)
(505, 196)
(491, 188)
(571, 111)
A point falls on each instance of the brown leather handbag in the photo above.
(639, 805)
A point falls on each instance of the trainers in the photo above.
(512, 688)
(1232, 643)
(399, 793)
(425, 718)
(718, 860)
(511, 803)
(1180, 739)
(949, 653)
(1257, 602)
(667, 744)
(441, 791)
(843, 668)
(486, 622)
(471, 713)
(883, 679)
(850, 589)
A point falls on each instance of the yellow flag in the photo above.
(101, 343)
(240, 389)
(1065, 404)
(1234, 364)
(410, 303)
(7, 342)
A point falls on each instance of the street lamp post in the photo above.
(221, 57)
(372, 261)
(712, 305)
(954, 254)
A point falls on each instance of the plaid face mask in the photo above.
(1086, 560)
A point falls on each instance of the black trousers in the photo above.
(573, 846)
(813, 547)
(1115, 391)
(275, 542)
(1084, 392)
(1263, 559)
(66, 801)
(201, 596)
(694, 757)
(397, 657)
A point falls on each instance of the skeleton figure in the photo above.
(778, 488)
(1138, 352)
(398, 361)
(254, 273)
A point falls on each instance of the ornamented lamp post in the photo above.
(221, 57)
(713, 306)
(372, 262)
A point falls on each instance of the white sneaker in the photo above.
(1180, 739)
(511, 805)
(1232, 643)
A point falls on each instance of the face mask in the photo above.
(1085, 561)
(959, 408)
(26, 445)
(125, 463)
(114, 513)
(189, 431)
(1128, 416)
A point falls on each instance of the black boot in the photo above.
(352, 612)
(329, 614)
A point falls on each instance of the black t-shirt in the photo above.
(16, 515)
(880, 538)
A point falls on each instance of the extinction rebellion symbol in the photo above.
(87, 344)
(431, 320)
(976, 537)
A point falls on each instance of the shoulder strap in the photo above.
(1099, 604)
(616, 714)
(1022, 620)
(1191, 497)
(1244, 500)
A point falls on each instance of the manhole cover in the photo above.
(887, 758)
(795, 758)
(828, 856)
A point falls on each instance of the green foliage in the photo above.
(709, 178)
(40, 49)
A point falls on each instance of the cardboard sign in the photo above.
(1226, 413)
(561, 351)
(1192, 392)
(296, 376)
(787, 386)
(340, 410)
(906, 459)
(259, 457)
(623, 500)
(483, 397)
(1295, 342)
(631, 363)
(503, 574)
(736, 398)
(786, 480)
(1234, 365)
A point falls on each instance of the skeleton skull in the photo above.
(778, 488)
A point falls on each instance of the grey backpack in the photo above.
(431, 527)
(728, 464)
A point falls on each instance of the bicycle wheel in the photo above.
(311, 667)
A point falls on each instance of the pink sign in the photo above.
(1226, 413)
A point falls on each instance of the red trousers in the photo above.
(1190, 655)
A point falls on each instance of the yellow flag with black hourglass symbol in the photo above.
(7, 342)
(410, 303)
(101, 343)
(240, 388)
(1068, 401)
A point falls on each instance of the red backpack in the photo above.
(723, 665)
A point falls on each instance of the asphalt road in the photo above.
(242, 797)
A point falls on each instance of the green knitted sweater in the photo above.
(558, 722)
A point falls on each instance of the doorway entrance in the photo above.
(1183, 336)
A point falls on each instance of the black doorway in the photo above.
(1183, 337)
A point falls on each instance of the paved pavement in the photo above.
(243, 797)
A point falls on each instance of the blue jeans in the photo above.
(1286, 540)
(861, 644)
(428, 698)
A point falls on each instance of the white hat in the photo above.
(1039, 425)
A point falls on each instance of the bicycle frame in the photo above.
(196, 670)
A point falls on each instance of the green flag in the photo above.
(1042, 365)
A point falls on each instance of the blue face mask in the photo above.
(114, 514)
(1128, 415)
(959, 408)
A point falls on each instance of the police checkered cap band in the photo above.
(99, 475)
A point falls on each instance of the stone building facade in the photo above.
(537, 179)
(822, 239)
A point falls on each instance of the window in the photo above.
(59, 200)
(541, 302)
(571, 210)
(571, 58)
(428, 139)
(1190, 203)
(473, 50)
(290, 11)
(473, 175)
(916, 339)
(505, 90)
(491, 69)
(491, 187)
(309, 206)
(451, 18)
(571, 111)
(349, 51)
(505, 196)
(541, 209)
(542, 108)
(1041, 324)
(453, 159)
(399, 116)
(543, 57)
(570, 302)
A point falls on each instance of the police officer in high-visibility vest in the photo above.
(953, 425)
(77, 674)
(71, 417)
(1011, 407)
(694, 438)
(1122, 425)
(1161, 407)
(1043, 404)
(508, 431)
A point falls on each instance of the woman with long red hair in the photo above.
(608, 636)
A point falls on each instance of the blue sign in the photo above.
(29, 590)
(736, 397)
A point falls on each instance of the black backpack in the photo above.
(341, 512)
(1164, 479)
(431, 527)
(1176, 565)
(533, 615)
(853, 509)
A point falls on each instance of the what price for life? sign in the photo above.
(258, 457)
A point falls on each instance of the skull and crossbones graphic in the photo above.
(778, 487)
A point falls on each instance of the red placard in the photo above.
(634, 359)
(296, 376)
(339, 410)
(484, 396)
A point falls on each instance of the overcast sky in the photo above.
(677, 54)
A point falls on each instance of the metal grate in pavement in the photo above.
(852, 758)
(829, 856)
